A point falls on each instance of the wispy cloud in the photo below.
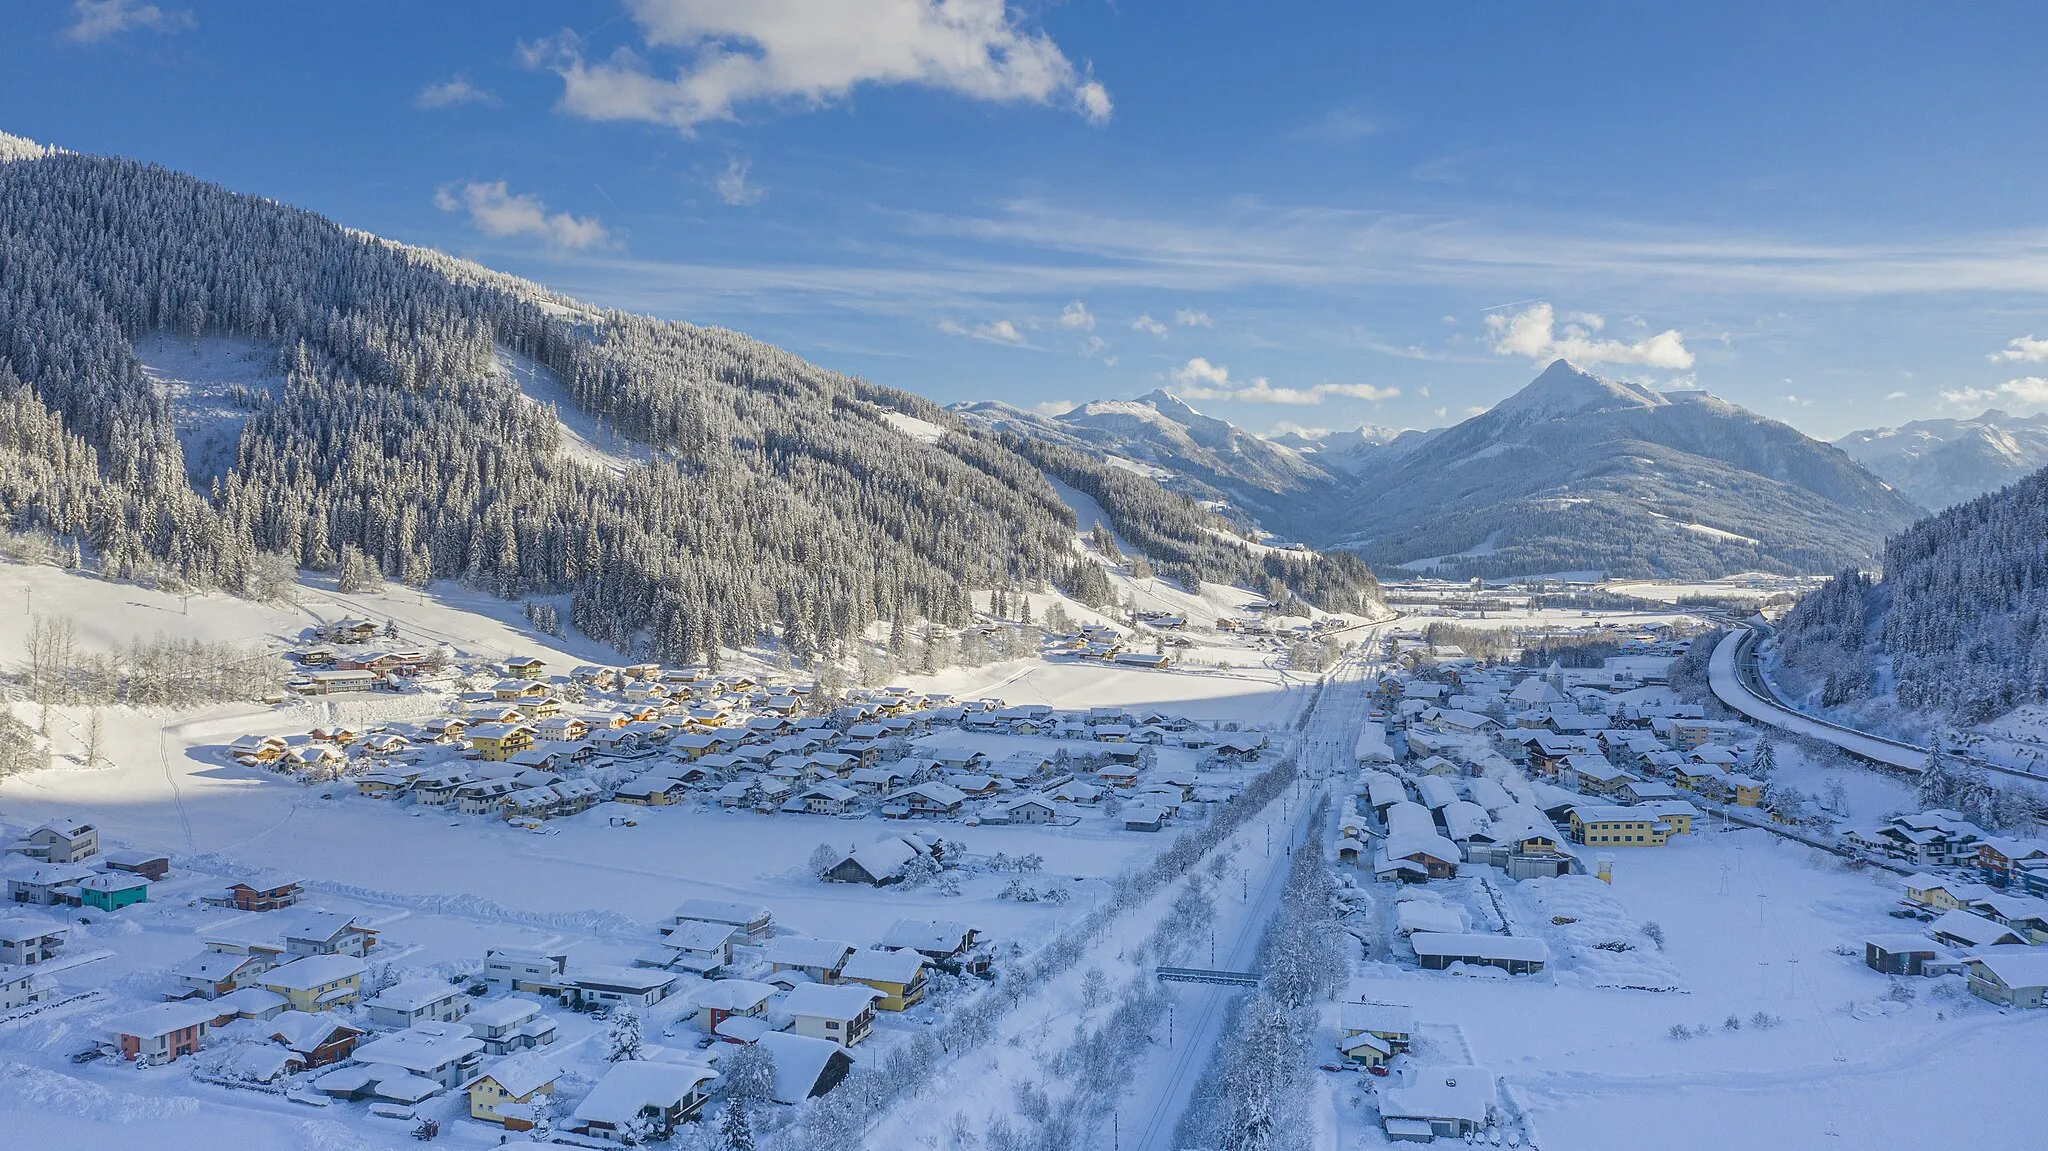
(1076, 315)
(1199, 379)
(1054, 407)
(2027, 393)
(1338, 126)
(734, 187)
(97, 20)
(452, 93)
(1145, 323)
(1534, 333)
(994, 331)
(497, 211)
(1191, 318)
(812, 53)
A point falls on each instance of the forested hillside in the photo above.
(777, 495)
(1960, 617)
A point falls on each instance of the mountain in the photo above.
(1942, 462)
(392, 412)
(1358, 451)
(1576, 472)
(1159, 435)
(1958, 624)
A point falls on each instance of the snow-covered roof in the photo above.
(927, 934)
(1516, 948)
(523, 1074)
(2016, 966)
(1383, 1018)
(163, 1018)
(732, 995)
(308, 972)
(421, 1047)
(833, 1001)
(1463, 1093)
(884, 966)
(633, 1085)
(723, 911)
(803, 951)
(799, 1062)
(414, 994)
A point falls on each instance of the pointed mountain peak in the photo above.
(1565, 389)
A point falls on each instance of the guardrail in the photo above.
(1199, 975)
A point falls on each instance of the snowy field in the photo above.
(210, 382)
(1753, 924)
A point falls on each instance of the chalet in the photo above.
(212, 974)
(1937, 838)
(1438, 1102)
(23, 987)
(59, 841)
(828, 799)
(162, 1033)
(804, 1067)
(697, 947)
(1999, 857)
(483, 796)
(525, 667)
(49, 884)
(641, 1095)
(898, 975)
(1615, 826)
(1965, 929)
(880, 863)
(1371, 1033)
(1935, 893)
(949, 945)
(263, 891)
(1898, 954)
(315, 1039)
(2024, 914)
(820, 959)
(445, 727)
(25, 940)
(602, 987)
(843, 1013)
(507, 1025)
(410, 1065)
(337, 682)
(112, 891)
(257, 750)
(316, 982)
(559, 728)
(1139, 817)
(1028, 809)
(525, 969)
(936, 800)
(730, 999)
(653, 789)
(500, 741)
(1515, 954)
(2010, 976)
(349, 631)
(417, 1001)
(513, 1092)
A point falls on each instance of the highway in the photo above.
(1734, 677)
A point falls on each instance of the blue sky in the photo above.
(1299, 214)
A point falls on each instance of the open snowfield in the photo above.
(199, 376)
(1752, 924)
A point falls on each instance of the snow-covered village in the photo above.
(972, 575)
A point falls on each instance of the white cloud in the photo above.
(1795, 400)
(496, 211)
(1968, 397)
(1145, 323)
(453, 92)
(995, 331)
(2029, 390)
(1201, 380)
(1290, 428)
(1054, 407)
(733, 186)
(2026, 348)
(1533, 332)
(1896, 396)
(1076, 315)
(1440, 413)
(102, 19)
(814, 52)
(1190, 318)
(2026, 392)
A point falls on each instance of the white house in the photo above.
(417, 1001)
(843, 1013)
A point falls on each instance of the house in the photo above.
(731, 998)
(507, 1094)
(1027, 809)
(250, 1003)
(1141, 817)
(938, 800)
(211, 974)
(1934, 892)
(1370, 1033)
(48, 884)
(697, 947)
(315, 1039)
(640, 1100)
(112, 891)
(24, 940)
(599, 987)
(898, 975)
(23, 987)
(417, 1001)
(164, 1032)
(829, 799)
(818, 958)
(879, 863)
(753, 920)
(2012, 976)
(407, 1066)
(500, 741)
(263, 891)
(1898, 954)
(1936, 838)
(511, 1024)
(804, 1067)
(2023, 913)
(525, 667)
(949, 945)
(316, 982)
(1967, 929)
(336, 682)
(59, 841)
(257, 750)
(1616, 826)
(445, 727)
(349, 631)
(1438, 1102)
(1515, 954)
(843, 1013)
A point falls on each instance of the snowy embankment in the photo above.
(1726, 677)
(585, 438)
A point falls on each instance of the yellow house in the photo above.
(1932, 891)
(316, 982)
(544, 707)
(499, 741)
(1606, 826)
(1748, 792)
(525, 667)
(898, 975)
(510, 1092)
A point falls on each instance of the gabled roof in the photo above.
(833, 1001)
(884, 966)
(633, 1085)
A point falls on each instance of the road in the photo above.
(1156, 1103)
(1734, 677)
